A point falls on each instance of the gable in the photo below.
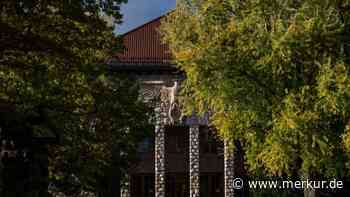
(143, 45)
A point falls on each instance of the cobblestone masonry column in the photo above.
(229, 168)
(159, 156)
(125, 189)
(194, 161)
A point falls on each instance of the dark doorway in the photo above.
(177, 185)
(211, 184)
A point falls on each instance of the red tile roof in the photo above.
(143, 46)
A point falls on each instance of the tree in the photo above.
(101, 151)
(54, 82)
(276, 76)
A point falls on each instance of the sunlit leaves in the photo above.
(274, 73)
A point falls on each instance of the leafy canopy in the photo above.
(275, 74)
(53, 80)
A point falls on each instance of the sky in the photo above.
(139, 12)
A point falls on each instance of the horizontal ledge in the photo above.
(142, 68)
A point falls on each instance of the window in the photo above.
(148, 186)
(179, 143)
(209, 142)
(144, 146)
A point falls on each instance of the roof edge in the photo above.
(151, 21)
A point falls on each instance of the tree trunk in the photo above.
(310, 192)
(115, 174)
(110, 182)
(240, 170)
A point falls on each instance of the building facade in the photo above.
(183, 157)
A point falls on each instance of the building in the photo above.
(184, 158)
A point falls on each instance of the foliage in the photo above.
(275, 74)
(119, 121)
(53, 80)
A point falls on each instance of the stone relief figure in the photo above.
(169, 95)
(172, 104)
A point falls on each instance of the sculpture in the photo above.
(169, 97)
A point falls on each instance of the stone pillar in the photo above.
(125, 188)
(194, 161)
(229, 168)
(160, 113)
